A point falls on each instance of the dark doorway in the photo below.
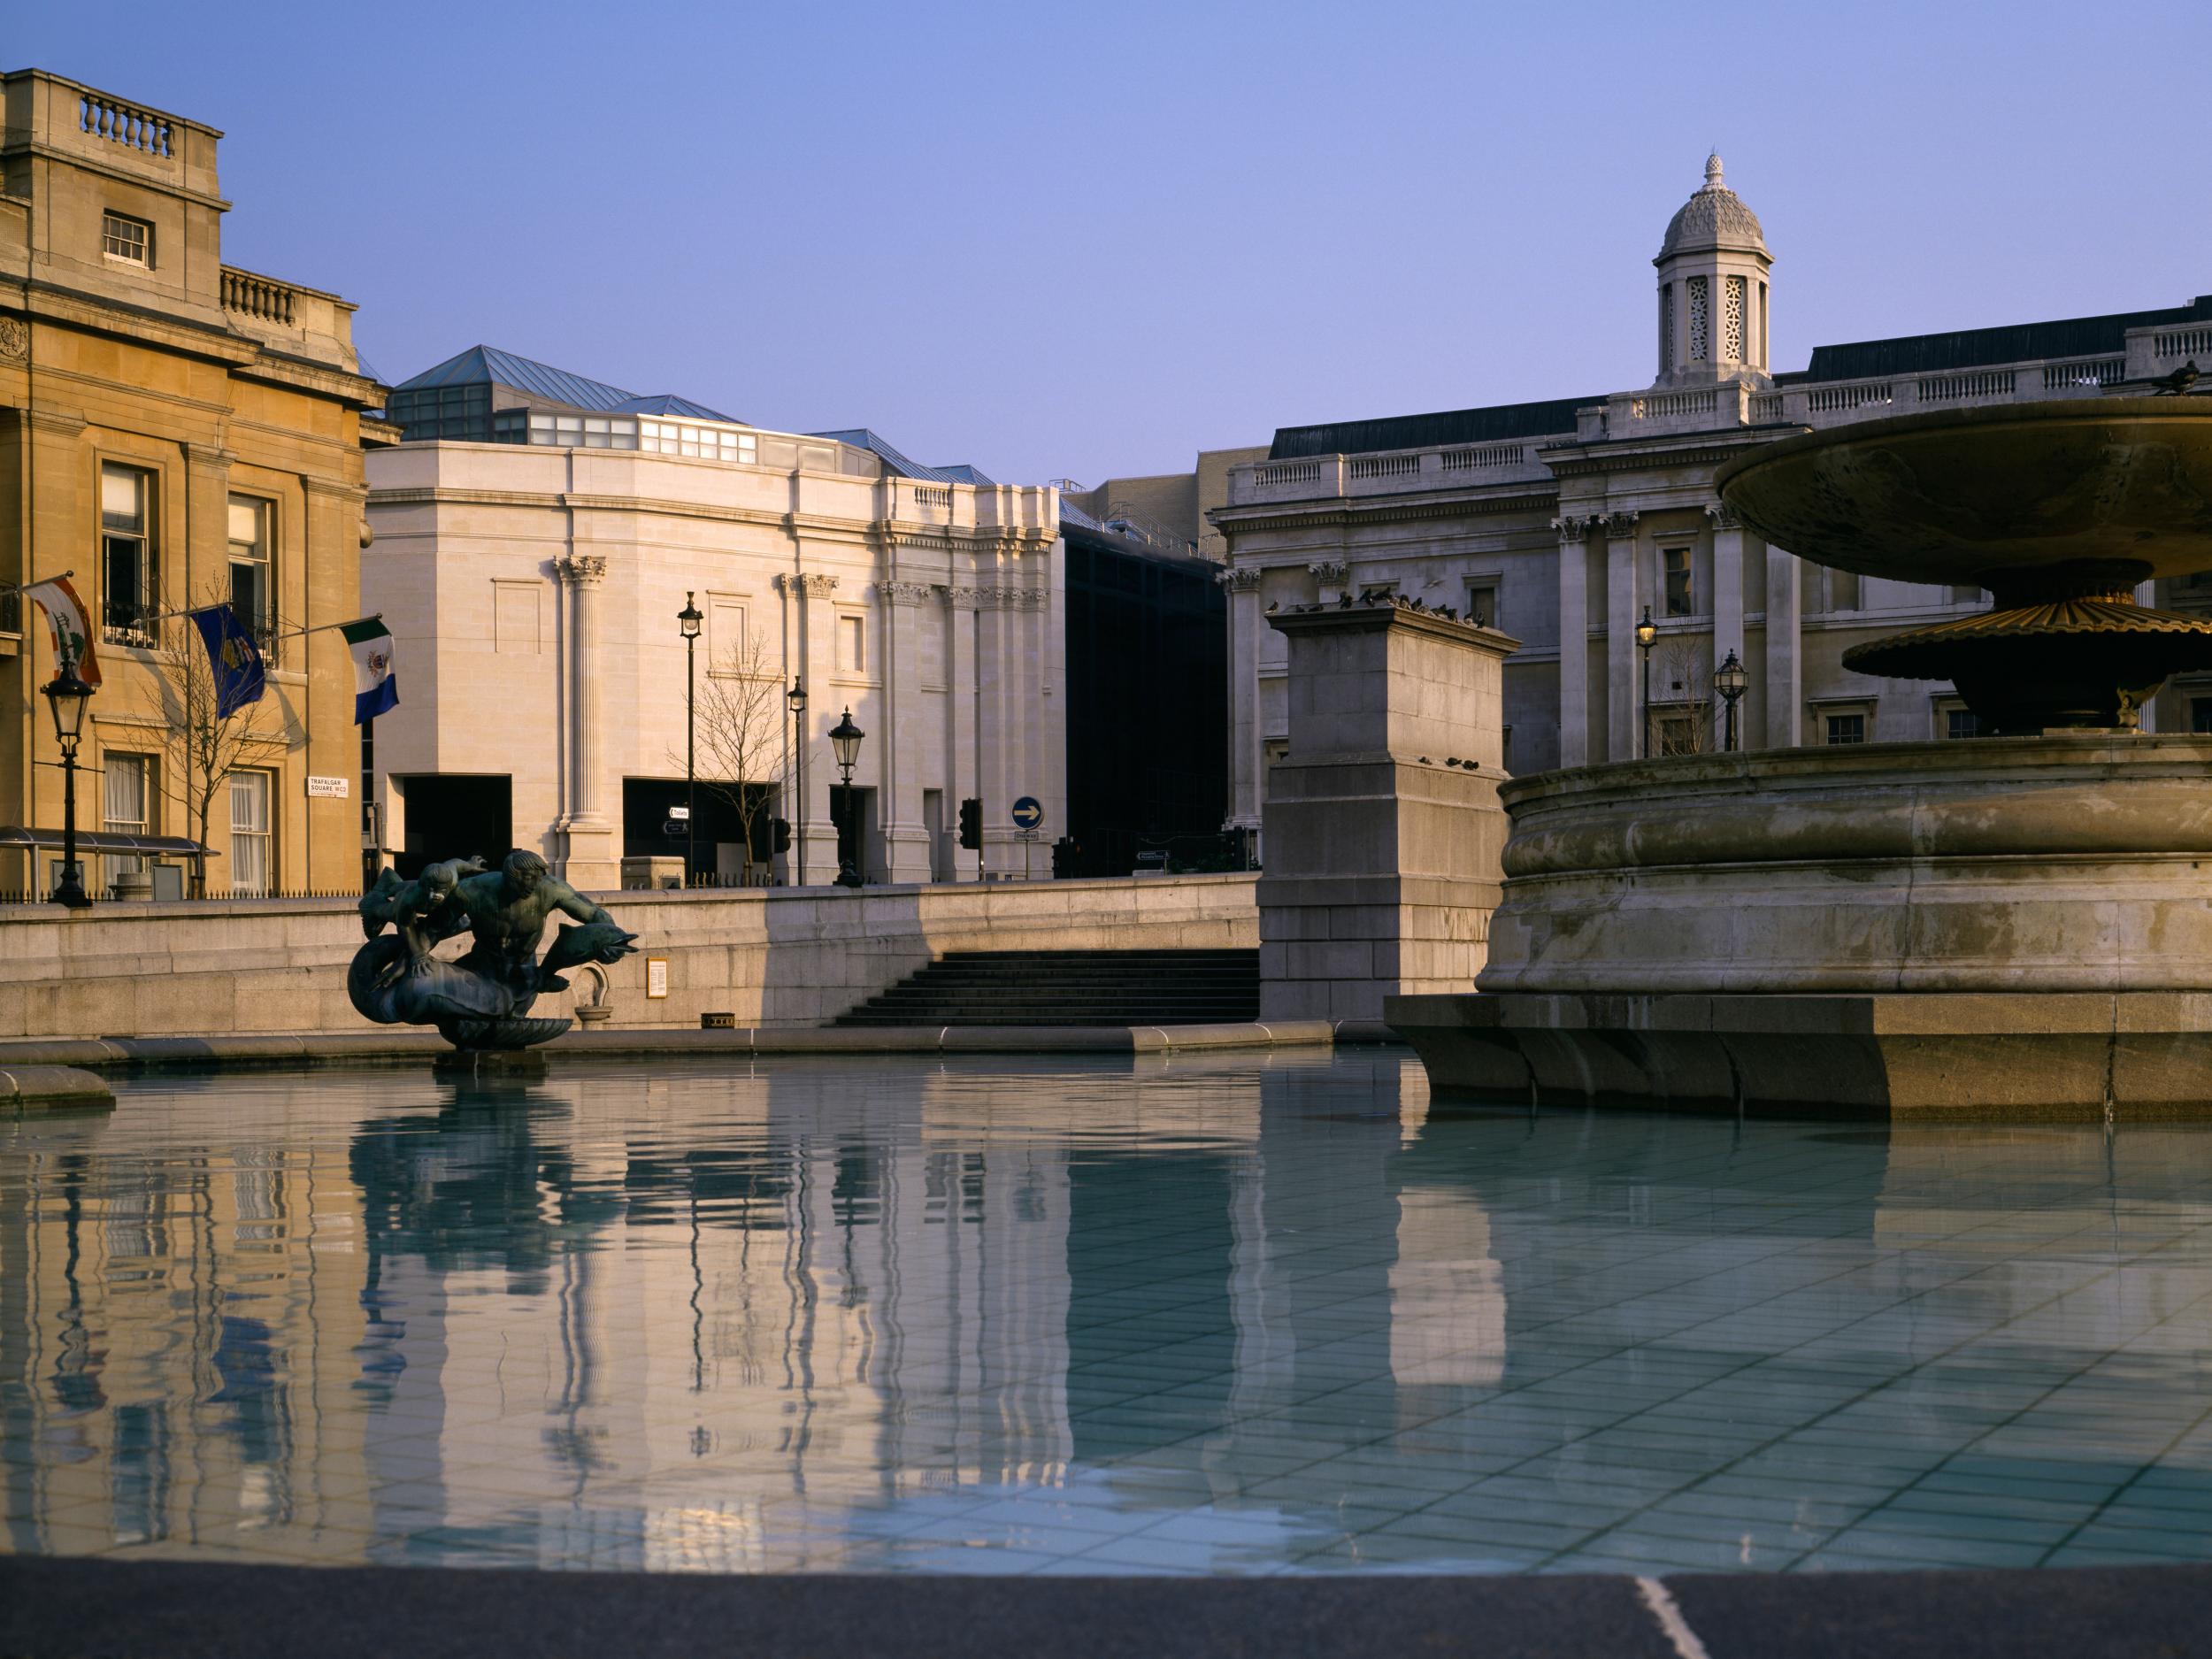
(454, 816)
(647, 815)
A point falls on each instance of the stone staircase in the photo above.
(1072, 987)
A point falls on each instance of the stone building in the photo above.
(1561, 522)
(534, 553)
(176, 431)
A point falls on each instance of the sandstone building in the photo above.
(537, 536)
(177, 432)
(1561, 522)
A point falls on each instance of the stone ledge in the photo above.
(2074, 1056)
(52, 1089)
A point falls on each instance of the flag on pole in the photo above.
(65, 625)
(240, 674)
(374, 689)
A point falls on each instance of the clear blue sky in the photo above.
(1055, 241)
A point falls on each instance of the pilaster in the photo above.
(818, 633)
(1727, 587)
(906, 839)
(1243, 584)
(962, 726)
(1574, 641)
(1786, 655)
(1623, 593)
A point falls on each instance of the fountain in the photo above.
(2020, 923)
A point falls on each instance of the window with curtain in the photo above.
(251, 851)
(252, 595)
(126, 554)
(126, 788)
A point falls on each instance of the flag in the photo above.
(240, 674)
(65, 626)
(374, 689)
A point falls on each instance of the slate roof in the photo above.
(481, 365)
(1970, 348)
(1499, 424)
(861, 438)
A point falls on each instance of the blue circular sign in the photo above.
(1027, 813)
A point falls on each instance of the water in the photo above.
(1225, 1315)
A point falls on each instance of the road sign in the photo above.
(1027, 813)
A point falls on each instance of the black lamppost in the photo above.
(1646, 637)
(795, 700)
(688, 621)
(70, 696)
(1729, 680)
(845, 743)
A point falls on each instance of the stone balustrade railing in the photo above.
(2150, 352)
(125, 124)
(263, 299)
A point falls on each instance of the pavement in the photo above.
(88, 1608)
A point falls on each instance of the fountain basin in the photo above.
(2014, 925)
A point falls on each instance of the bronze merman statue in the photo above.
(478, 1001)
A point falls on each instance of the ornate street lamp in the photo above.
(70, 698)
(1729, 680)
(845, 744)
(795, 700)
(1646, 637)
(688, 621)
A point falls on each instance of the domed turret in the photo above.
(1713, 267)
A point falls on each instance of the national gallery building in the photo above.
(1563, 523)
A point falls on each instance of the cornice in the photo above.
(1645, 454)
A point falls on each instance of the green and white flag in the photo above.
(374, 689)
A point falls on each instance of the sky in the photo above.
(1080, 243)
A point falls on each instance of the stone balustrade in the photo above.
(146, 131)
(263, 299)
(2150, 353)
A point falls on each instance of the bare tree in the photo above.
(1682, 710)
(740, 736)
(200, 749)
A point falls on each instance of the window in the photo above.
(852, 645)
(250, 837)
(709, 444)
(1482, 605)
(126, 783)
(128, 240)
(1846, 728)
(1700, 320)
(1676, 564)
(1843, 590)
(1733, 320)
(1960, 723)
(1680, 732)
(251, 594)
(1666, 326)
(126, 564)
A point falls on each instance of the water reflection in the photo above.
(1025, 1315)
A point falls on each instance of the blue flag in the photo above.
(240, 675)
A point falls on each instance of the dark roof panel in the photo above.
(1972, 347)
(1501, 423)
(669, 404)
(861, 438)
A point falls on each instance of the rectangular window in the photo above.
(251, 840)
(852, 645)
(1679, 733)
(1843, 590)
(1482, 605)
(252, 593)
(1666, 326)
(126, 782)
(1846, 728)
(1678, 597)
(128, 240)
(1960, 723)
(126, 554)
(1700, 319)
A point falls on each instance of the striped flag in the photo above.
(65, 622)
(374, 687)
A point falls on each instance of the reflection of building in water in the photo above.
(178, 1343)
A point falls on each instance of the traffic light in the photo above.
(779, 835)
(971, 824)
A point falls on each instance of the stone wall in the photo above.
(772, 957)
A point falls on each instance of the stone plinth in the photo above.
(1382, 828)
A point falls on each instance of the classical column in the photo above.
(1623, 594)
(1574, 641)
(1243, 583)
(1785, 679)
(1727, 598)
(817, 635)
(589, 858)
(1329, 577)
(906, 839)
